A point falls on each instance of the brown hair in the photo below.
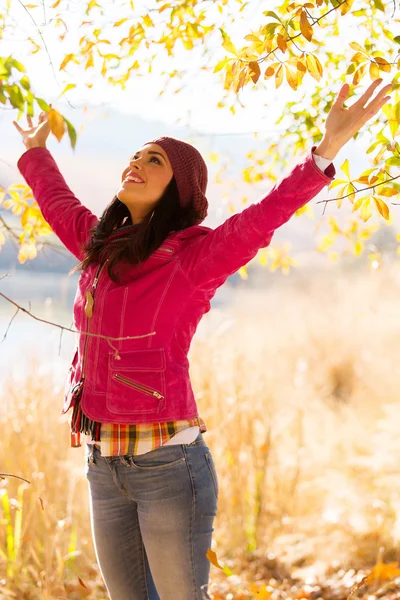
(139, 244)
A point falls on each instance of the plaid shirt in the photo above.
(117, 440)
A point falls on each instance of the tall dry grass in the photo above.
(299, 386)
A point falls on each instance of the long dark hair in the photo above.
(139, 244)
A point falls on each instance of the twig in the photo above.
(360, 190)
(104, 337)
(4, 475)
(45, 47)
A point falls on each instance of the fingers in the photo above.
(368, 93)
(29, 119)
(342, 95)
(18, 127)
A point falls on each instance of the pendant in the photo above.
(89, 304)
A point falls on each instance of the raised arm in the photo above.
(208, 261)
(68, 218)
(66, 215)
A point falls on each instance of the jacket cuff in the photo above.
(330, 171)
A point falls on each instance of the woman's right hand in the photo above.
(36, 135)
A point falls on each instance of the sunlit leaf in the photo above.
(57, 124)
(212, 557)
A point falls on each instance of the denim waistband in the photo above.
(199, 441)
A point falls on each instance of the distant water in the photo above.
(51, 297)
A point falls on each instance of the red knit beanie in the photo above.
(190, 172)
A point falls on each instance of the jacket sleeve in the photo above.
(66, 215)
(211, 258)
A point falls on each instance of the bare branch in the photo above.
(4, 475)
(104, 337)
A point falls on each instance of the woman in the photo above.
(149, 271)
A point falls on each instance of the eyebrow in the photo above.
(152, 152)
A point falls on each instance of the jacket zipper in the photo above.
(138, 386)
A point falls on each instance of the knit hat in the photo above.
(190, 172)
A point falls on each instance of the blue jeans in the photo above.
(152, 520)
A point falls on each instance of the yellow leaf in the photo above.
(387, 191)
(55, 4)
(383, 572)
(255, 71)
(243, 274)
(221, 64)
(359, 74)
(31, 5)
(68, 87)
(383, 64)
(66, 60)
(358, 248)
(147, 21)
(118, 23)
(291, 78)
(90, 62)
(366, 211)
(373, 70)
(281, 41)
(358, 203)
(345, 168)
(382, 207)
(211, 555)
(314, 66)
(227, 45)
(57, 124)
(278, 77)
(269, 71)
(357, 46)
(305, 26)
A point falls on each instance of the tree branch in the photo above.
(62, 328)
(4, 475)
(360, 190)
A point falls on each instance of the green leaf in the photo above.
(393, 161)
(18, 65)
(397, 39)
(26, 84)
(379, 5)
(270, 13)
(16, 97)
(43, 105)
(71, 133)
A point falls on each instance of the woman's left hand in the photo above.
(342, 123)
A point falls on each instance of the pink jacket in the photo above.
(145, 379)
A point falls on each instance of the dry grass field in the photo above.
(299, 387)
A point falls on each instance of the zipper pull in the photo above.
(89, 304)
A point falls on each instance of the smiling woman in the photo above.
(153, 484)
(145, 181)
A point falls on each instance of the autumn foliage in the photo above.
(287, 50)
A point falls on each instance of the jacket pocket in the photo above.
(136, 382)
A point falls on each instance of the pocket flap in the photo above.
(145, 359)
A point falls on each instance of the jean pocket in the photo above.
(90, 458)
(213, 471)
(155, 463)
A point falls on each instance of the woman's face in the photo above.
(145, 180)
